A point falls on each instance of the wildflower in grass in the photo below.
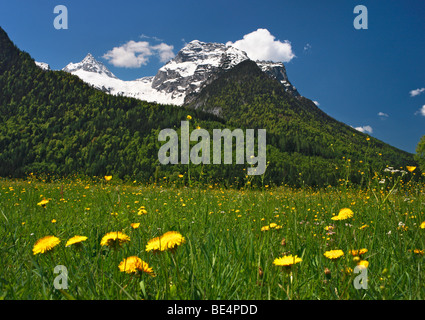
(53, 221)
(410, 168)
(108, 178)
(287, 261)
(114, 214)
(344, 213)
(418, 251)
(348, 270)
(168, 240)
(358, 252)
(45, 244)
(189, 117)
(271, 226)
(76, 240)
(363, 264)
(142, 210)
(135, 225)
(402, 226)
(43, 203)
(333, 254)
(422, 226)
(265, 228)
(114, 239)
(363, 226)
(328, 273)
(134, 264)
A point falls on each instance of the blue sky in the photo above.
(353, 74)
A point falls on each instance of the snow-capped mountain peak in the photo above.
(195, 66)
(89, 64)
(42, 65)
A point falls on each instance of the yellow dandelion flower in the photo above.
(273, 225)
(108, 178)
(363, 226)
(358, 252)
(418, 251)
(333, 254)
(343, 214)
(422, 226)
(114, 239)
(363, 264)
(45, 244)
(142, 211)
(181, 176)
(287, 261)
(134, 264)
(75, 240)
(43, 203)
(189, 117)
(168, 240)
(410, 168)
(53, 221)
(265, 228)
(135, 225)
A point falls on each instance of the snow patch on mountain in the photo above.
(42, 65)
(195, 66)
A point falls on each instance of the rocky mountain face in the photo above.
(277, 71)
(193, 68)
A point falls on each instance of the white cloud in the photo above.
(364, 129)
(135, 54)
(307, 47)
(416, 92)
(164, 51)
(421, 111)
(382, 114)
(143, 36)
(316, 103)
(261, 45)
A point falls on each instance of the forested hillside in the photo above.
(53, 123)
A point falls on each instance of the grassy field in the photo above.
(228, 252)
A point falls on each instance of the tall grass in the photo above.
(226, 255)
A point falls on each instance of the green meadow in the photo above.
(231, 239)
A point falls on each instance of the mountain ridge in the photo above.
(194, 66)
(56, 124)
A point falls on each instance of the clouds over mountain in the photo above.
(364, 129)
(262, 45)
(134, 54)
